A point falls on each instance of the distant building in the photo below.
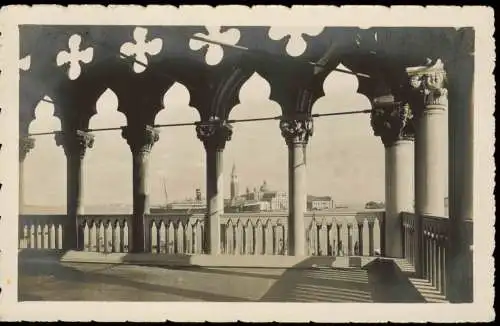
(319, 203)
(234, 184)
(257, 200)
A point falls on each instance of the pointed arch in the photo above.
(178, 153)
(45, 185)
(255, 144)
(343, 148)
(107, 114)
(108, 163)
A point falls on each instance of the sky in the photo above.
(344, 159)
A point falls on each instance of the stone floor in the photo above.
(377, 281)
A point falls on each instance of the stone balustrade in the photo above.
(104, 233)
(409, 237)
(265, 233)
(434, 246)
(174, 233)
(42, 231)
(435, 238)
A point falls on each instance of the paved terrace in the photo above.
(316, 279)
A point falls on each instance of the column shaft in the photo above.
(75, 144)
(214, 134)
(296, 133)
(141, 139)
(398, 193)
(215, 198)
(430, 151)
(297, 196)
(140, 164)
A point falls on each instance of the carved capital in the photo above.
(392, 121)
(214, 133)
(140, 139)
(75, 143)
(428, 84)
(296, 131)
(25, 145)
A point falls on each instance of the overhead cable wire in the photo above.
(230, 121)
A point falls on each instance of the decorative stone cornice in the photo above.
(429, 85)
(140, 139)
(25, 145)
(214, 133)
(296, 131)
(392, 121)
(75, 143)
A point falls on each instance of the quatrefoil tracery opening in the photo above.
(74, 56)
(215, 52)
(141, 48)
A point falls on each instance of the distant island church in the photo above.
(261, 199)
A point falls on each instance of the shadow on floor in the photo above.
(61, 273)
(389, 284)
(312, 280)
(320, 283)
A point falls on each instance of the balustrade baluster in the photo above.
(246, 242)
(187, 237)
(96, 228)
(360, 239)
(53, 236)
(127, 236)
(162, 237)
(268, 238)
(259, 237)
(116, 236)
(38, 236)
(438, 263)
(179, 241)
(275, 239)
(102, 236)
(426, 257)
(434, 260)
(323, 238)
(349, 239)
(237, 238)
(195, 237)
(442, 256)
(429, 256)
(154, 242)
(371, 225)
(376, 234)
(60, 237)
(227, 237)
(202, 237)
(45, 236)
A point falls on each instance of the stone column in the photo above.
(214, 134)
(392, 122)
(75, 145)
(429, 102)
(25, 145)
(296, 133)
(141, 140)
(459, 255)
